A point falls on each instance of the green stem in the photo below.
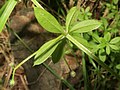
(18, 37)
(67, 63)
(37, 4)
(60, 78)
(21, 40)
(89, 53)
(72, 51)
(85, 75)
(84, 72)
(20, 64)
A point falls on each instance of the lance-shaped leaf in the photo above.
(85, 26)
(71, 17)
(102, 55)
(96, 37)
(57, 54)
(107, 37)
(115, 40)
(47, 21)
(6, 13)
(45, 55)
(108, 49)
(46, 50)
(114, 47)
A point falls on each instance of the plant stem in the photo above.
(20, 64)
(72, 51)
(60, 78)
(67, 63)
(37, 4)
(84, 72)
(18, 37)
(89, 53)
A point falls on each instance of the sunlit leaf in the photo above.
(107, 36)
(46, 50)
(96, 38)
(71, 17)
(115, 40)
(108, 49)
(114, 47)
(44, 56)
(102, 55)
(85, 26)
(47, 21)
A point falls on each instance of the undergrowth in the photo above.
(91, 27)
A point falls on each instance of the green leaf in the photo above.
(102, 55)
(46, 50)
(85, 26)
(118, 66)
(102, 40)
(3, 8)
(81, 40)
(71, 17)
(115, 1)
(44, 56)
(105, 22)
(107, 49)
(87, 9)
(107, 37)
(114, 47)
(6, 13)
(47, 21)
(96, 38)
(57, 54)
(115, 40)
(101, 45)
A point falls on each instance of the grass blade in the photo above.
(7, 11)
